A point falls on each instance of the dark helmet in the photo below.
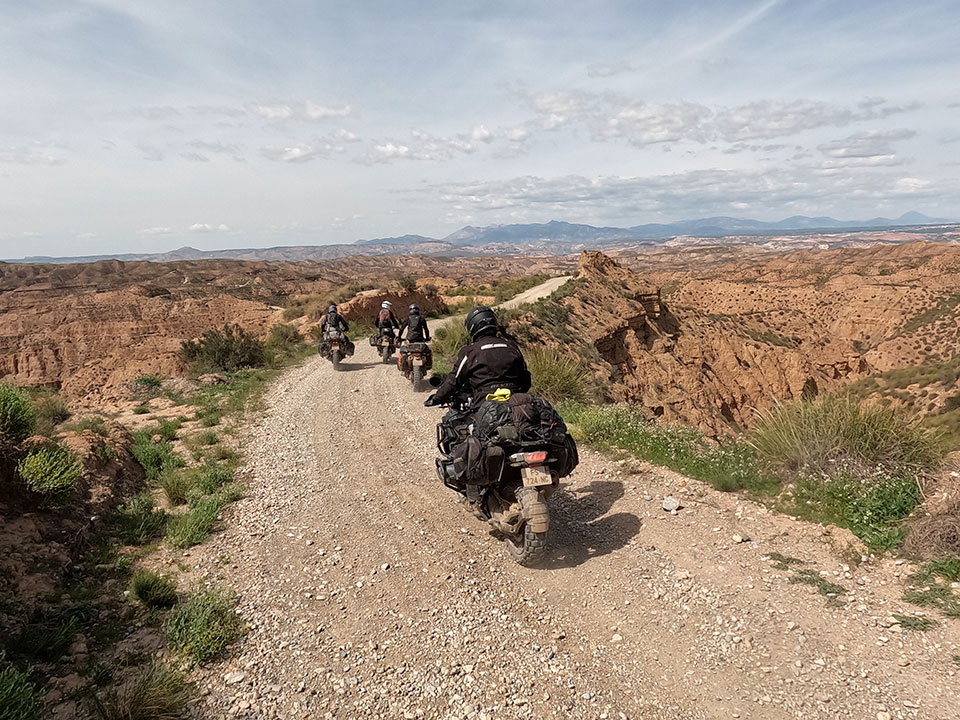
(479, 319)
(332, 308)
(414, 309)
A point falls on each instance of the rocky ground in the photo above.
(370, 592)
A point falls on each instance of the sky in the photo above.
(129, 126)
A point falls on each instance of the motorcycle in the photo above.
(386, 345)
(414, 360)
(512, 474)
(335, 347)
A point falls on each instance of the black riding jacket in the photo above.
(388, 323)
(416, 327)
(488, 363)
(333, 320)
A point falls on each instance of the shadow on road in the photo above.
(580, 527)
(353, 367)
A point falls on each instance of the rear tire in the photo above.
(417, 378)
(335, 359)
(529, 547)
(385, 355)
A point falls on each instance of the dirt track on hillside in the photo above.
(370, 592)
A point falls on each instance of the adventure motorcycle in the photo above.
(335, 346)
(507, 461)
(386, 344)
(414, 360)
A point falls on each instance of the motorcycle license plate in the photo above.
(536, 476)
(418, 362)
(335, 346)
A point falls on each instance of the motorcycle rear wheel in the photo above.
(385, 355)
(528, 547)
(417, 378)
(335, 359)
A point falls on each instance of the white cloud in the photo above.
(35, 154)
(207, 228)
(322, 112)
(605, 70)
(910, 186)
(481, 133)
(155, 231)
(271, 112)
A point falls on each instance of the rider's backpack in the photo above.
(383, 319)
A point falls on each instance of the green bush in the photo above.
(284, 338)
(448, 340)
(209, 417)
(141, 410)
(816, 435)
(154, 457)
(148, 381)
(153, 590)
(51, 471)
(203, 626)
(137, 522)
(48, 635)
(158, 692)
(557, 377)
(167, 429)
(17, 415)
(227, 349)
(207, 437)
(407, 284)
(19, 697)
(211, 477)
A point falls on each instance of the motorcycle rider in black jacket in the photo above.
(488, 363)
(333, 320)
(416, 326)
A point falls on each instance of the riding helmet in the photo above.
(479, 319)
(414, 309)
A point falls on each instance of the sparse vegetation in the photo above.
(204, 625)
(137, 521)
(153, 590)
(732, 466)
(284, 341)
(448, 340)
(196, 524)
(93, 423)
(158, 692)
(19, 697)
(808, 576)
(141, 410)
(913, 622)
(49, 411)
(155, 457)
(228, 349)
(51, 472)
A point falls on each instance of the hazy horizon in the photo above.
(140, 127)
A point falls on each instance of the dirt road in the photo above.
(370, 592)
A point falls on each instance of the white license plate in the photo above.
(536, 476)
(417, 362)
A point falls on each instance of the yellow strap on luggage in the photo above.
(501, 395)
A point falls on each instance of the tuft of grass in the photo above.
(19, 697)
(153, 590)
(204, 625)
(557, 377)
(49, 411)
(912, 622)
(211, 477)
(51, 472)
(17, 414)
(945, 568)
(141, 410)
(448, 340)
(94, 423)
(207, 437)
(47, 636)
(931, 586)
(816, 434)
(158, 692)
(137, 522)
(149, 381)
(196, 524)
(826, 588)
(728, 467)
(208, 417)
(176, 485)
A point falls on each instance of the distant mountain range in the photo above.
(554, 237)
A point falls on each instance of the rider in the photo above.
(386, 320)
(416, 326)
(487, 364)
(333, 321)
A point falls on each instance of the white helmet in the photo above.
(385, 305)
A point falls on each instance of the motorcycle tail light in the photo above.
(536, 458)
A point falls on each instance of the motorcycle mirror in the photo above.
(436, 380)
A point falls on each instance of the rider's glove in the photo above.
(431, 401)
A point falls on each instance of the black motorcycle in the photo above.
(507, 460)
(335, 346)
(386, 344)
(414, 360)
